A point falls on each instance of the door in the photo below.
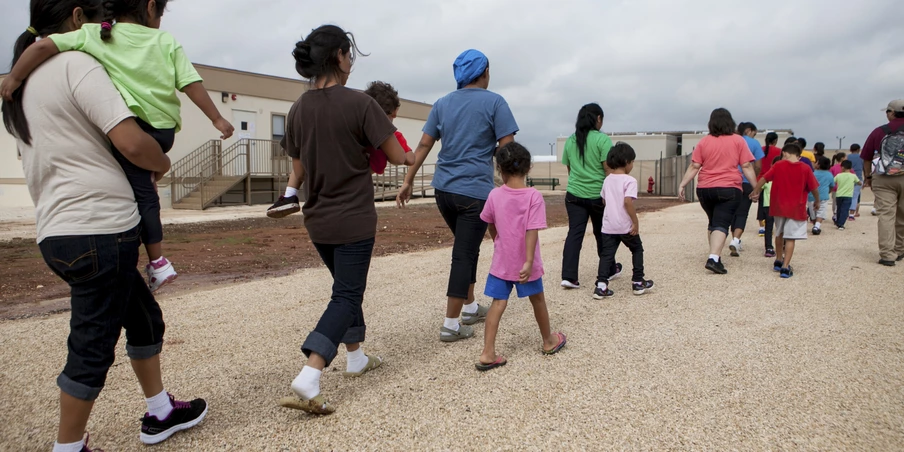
(244, 123)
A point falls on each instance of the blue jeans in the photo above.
(343, 320)
(844, 208)
(108, 294)
(462, 215)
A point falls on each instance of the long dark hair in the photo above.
(318, 55)
(771, 139)
(585, 123)
(721, 123)
(47, 16)
(136, 10)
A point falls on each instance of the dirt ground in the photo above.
(228, 252)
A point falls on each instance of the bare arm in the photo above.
(492, 228)
(530, 241)
(34, 56)
(689, 175)
(816, 201)
(506, 140)
(867, 173)
(632, 212)
(138, 147)
(298, 170)
(757, 167)
(198, 95)
(749, 172)
(423, 149)
(394, 152)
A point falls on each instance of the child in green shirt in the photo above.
(147, 66)
(844, 193)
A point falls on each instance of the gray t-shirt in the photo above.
(77, 186)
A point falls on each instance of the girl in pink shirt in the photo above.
(515, 213)
(836, 170)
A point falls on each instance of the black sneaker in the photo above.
(787, 272)
(618, 269)
(284, 207)
(816, 231)
(641, 286)
(777, 265)
(886, 263)
(716, 267)
(185, 415)
(900, 258)
(599, 294)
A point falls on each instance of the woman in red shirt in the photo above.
(716, 158)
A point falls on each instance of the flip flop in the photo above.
(500, 361)
(317, 405)
(562, 341)
(372, 363)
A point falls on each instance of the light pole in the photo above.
(839, 141)
(552, 152)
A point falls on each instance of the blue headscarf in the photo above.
(469, 66)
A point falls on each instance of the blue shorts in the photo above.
(498, 289)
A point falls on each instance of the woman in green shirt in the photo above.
(585, 156)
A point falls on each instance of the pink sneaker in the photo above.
(160, 274)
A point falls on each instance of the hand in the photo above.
(816, 206)
(867, 183)
(681, 194)
(525, 272)
(635, 229)
(8, 87)
(404, 195)
(224, 127)
(755, 196)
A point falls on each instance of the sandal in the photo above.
(372, 363)
(317, 405)
(500, 361)
(562, 341)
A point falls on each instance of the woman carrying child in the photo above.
(515, 214)
(147, 66)
(328, 132)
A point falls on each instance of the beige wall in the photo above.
(650, 147)
(690, 141)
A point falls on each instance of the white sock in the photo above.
(451, 324)
(735, 241)
(307, 383)
(291, 191)
(602, 285)
(357, 360)
(160, 405)
(714, 257)
(470, 308)
(70, 447)
(818, 225)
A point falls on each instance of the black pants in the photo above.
(610, 246)
(762, 211)
(462, 215)
(144, 188)
(720, 205)
(580, 210)
(770, 228)
(743, 211)
(108, 294)
(343, 320)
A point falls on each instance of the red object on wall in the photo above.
(650, 184)
(233, 97)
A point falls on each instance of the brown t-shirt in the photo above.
(329, 130)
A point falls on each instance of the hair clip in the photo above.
(32, 30)
(106, 26)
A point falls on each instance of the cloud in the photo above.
(822, 68)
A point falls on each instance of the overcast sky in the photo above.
(824, 68)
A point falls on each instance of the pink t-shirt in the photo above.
(616, 188)
(514, 212)
(720, 157)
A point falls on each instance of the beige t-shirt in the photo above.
(77, 186)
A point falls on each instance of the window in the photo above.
(278, 126)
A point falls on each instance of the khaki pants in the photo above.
(889, 192)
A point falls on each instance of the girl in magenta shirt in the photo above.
(515, 213)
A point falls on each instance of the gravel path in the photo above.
(744, 361)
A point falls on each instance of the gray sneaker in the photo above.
(470, 319)
(464, 332)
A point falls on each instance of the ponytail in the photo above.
(106, 27)
(47, 17)
(585, 123)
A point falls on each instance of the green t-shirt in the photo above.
(767, 193)
(146, 65)
(585, 180)
(845, 185)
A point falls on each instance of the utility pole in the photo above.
(840, 139)
(552, 152)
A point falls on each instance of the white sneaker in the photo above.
(160, 274)
(570, 285)
(735, 247)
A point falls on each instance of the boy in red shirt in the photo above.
(791, 181)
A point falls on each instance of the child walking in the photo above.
(388, 98)
(844, 195)
(147, 66)
(620, 224)
(515, 213)
(791, 181)
(769, 219)
(836, 170)
(826, 182)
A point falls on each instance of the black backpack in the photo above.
(891, 152)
